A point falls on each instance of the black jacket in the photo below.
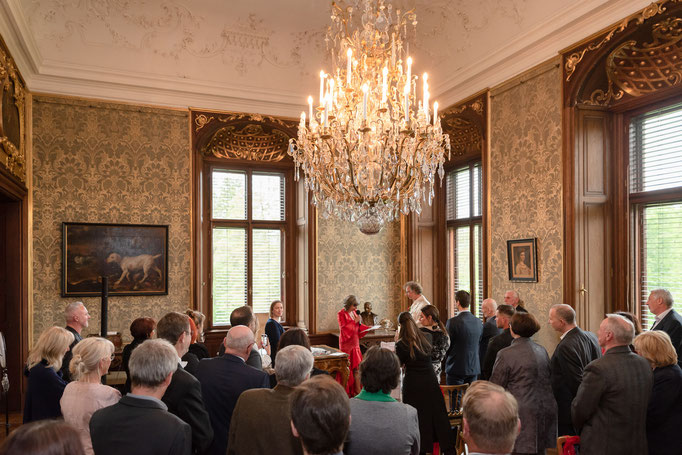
(498, 343)
(66, 373)
(183, 398)
(664, 414)
(490, 330)
(672, 325)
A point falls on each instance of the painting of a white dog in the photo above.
(143, 262)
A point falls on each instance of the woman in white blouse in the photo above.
(91, 360)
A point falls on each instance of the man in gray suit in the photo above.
(465, 330)
(609, 410)
(576, 349)
(668, 320)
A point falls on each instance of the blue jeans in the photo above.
(451, 379)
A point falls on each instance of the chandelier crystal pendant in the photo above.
(371, 147)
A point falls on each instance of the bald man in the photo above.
(609, 410)
(575, 350)
(223, 379)
(490, 329)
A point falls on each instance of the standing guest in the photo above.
(77, 318)
(660, 303)
(380, 424)
(368, 317)
(413, 291)
(490, 329)
(223, 379)
(268, 410)
(574, 352)
(664, 413)
(320, 416)
(198, 348)
(140, 422)
(86, 394)
(351, 330)
(431, 324)
(183, 395)
(420, 386)
(273, 328)
(512, 298)
(45, 437)
(490, 419)
(141, 329)
(45, 383)
(523, 369)
(465, 330)
(609, 410)
(504, 314)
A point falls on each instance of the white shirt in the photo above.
(416, 308)
(660, 317)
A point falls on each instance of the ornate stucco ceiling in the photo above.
(264, 55)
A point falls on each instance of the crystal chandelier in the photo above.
(371, 148)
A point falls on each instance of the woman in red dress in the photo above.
(351, 330)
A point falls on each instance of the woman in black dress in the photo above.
(429, 318)
(141, 329)
(273, 329)
(420, 386)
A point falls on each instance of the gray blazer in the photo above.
(609, 410)
(523, 369)
(379, 428)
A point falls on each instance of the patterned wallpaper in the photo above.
(526, 189)
(100, 162)
(350, 262)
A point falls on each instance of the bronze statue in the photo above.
(369, 318)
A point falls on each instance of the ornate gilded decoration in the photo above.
(465, 135)
(256, 118)
(201, 121)
(250, 142)
(641, 69)
(575, 58)
(604, 97)
(12, 151)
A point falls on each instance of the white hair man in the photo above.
(269, 408)
(576, 349)
(140, 421)
(668, 320)
(77, 318)
(512, 298)
(490, 329)
(413, 291)
(610, 408)
(490, 419)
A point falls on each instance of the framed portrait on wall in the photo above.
(133, 256)
(522, 259)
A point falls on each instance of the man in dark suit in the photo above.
(576, 349)
(609, 410)
(490, 329)
(223, 379)
(667, 319)
(183, 396)
(465, 330)
(77, 318)
(140, 422)
(260, 409)
(243, 315)
(504, 314)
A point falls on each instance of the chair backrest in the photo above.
(454, 394)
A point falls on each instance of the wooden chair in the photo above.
(454, 394)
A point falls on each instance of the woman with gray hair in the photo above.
(91, 360)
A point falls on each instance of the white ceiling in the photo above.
(264, 55)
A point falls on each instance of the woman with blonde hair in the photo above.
(91, 360)
(664, 413)
(45, 383)
(273, 328)
(197, 347)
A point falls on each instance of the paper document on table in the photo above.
(374, 327)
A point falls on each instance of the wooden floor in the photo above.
(14, 422)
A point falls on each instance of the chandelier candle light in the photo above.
(370, 149)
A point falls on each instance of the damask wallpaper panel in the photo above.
(526, 189)
(100, 162)
(350, 262)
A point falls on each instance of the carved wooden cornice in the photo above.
(12, 110)
(466, 124)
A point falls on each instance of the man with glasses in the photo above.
(183, 396)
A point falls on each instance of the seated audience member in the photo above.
(497, 343)
(77, 318)
(490, 419)
(294, 337)
(45, 384)
(190, 362)
(46, 437)
(183, 396)
(523, 369)
(244, 316)
(223, 379)
(380, 424)
(86, 394)
(668, 320)
(141, 329)
(140, 422)
(664, 413)
(430, 323)
(320, 416)
(266, 411)
(609, 410)
(273, 328)
(198, 348)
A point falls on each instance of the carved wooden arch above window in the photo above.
(244, 137)
(640, 55)
(466, 124)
